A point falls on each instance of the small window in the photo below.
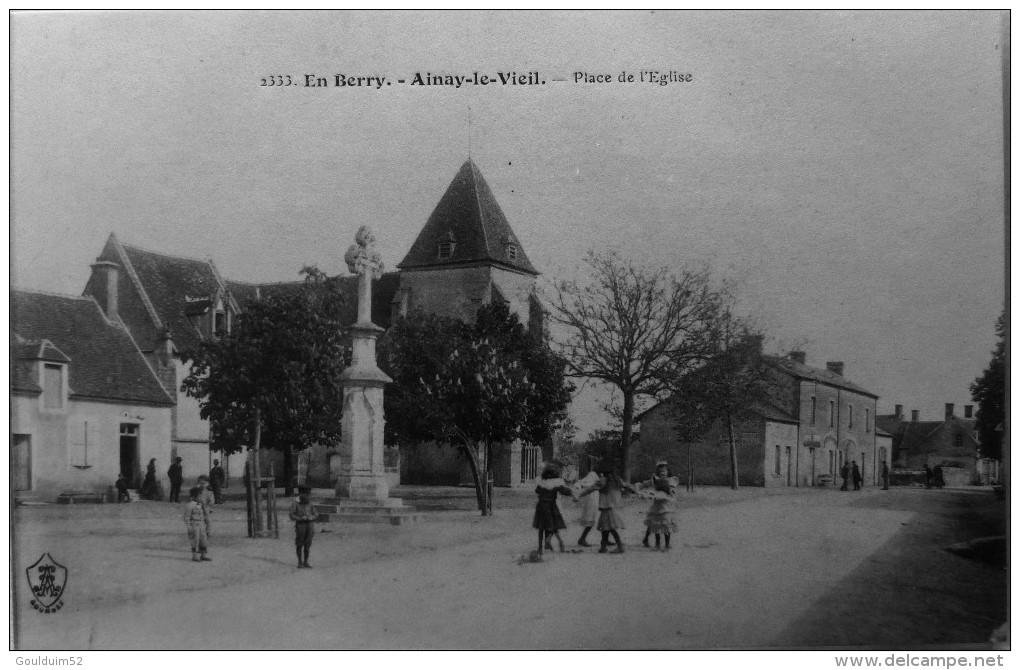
(867, 420)
(53, 386)
(446, 249)
(511, 251)
(220, 326)
(958, 440)
(779, 460)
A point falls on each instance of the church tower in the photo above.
(467, 255)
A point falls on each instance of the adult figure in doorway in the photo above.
(855, 472)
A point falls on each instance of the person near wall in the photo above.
(939, 477)
(844, 472)
(928, 476)
(151, 490)
(122, 489)
(175, 473)
(855, 473)
(885, 476)
(217, 479)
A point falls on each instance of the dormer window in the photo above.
(220, 326)
(53, 386)
(511, 251)
(447, 245)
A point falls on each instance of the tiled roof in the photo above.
(104, 361)
(765, 410)
(803, 371)
(468, 215)
(172, 284)
(383, 291)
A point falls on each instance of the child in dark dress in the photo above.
(548, 519)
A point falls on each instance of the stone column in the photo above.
(359, 467)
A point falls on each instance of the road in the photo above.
(746, 571)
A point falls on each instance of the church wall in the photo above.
(430, 464)
(517, 289)
(453, 292)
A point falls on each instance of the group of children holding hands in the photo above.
(601, 491)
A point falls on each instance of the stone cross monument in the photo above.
(359, 468)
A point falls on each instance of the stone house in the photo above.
(465, 255)
(85, 404)
(818, 420)
(951, 442)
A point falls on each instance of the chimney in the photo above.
(799, 356)
(104, 286)
(968, 411)
(899, 412)
(914, 414)
(949, 411)
(835, 367)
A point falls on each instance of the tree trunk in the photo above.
(288, 470)
(475, 473)
(734, 482)
(628, 428)
(257, 467)
(690, 469)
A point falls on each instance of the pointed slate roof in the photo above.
(103, 359)
(469, 215)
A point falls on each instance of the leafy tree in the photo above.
(471, 385)
(635, 328)
(989, 392)
(737, 379)
(277, 372)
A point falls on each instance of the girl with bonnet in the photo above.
(548, 520)
(659, 519)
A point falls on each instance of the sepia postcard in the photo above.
(408, 330)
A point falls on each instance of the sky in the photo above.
(844, 170)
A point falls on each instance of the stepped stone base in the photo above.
(366, 510)
(80, 497)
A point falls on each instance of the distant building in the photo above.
(465, 256)
(818, 421)
(950, 442)
(85, 404)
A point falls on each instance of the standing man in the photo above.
(217, 478)
(855, 472)
(885, 476)
(927, 476)
(176, 475)
(844, 472)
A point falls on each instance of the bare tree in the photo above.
(635, 328)
(736, 380)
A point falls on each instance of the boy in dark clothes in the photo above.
(303, 515)
(122, 489)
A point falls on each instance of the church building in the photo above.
(466, 255)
